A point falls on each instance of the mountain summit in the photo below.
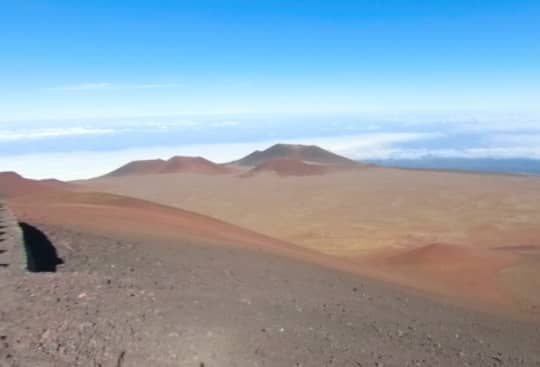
(307, 153)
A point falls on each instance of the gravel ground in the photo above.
(119, 303)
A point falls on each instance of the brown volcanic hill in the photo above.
(13, 184)
(176, 164)
(134, 218)
(193, 165)
(291, 167)
(308, 153)
(58, 184)
(143, 167)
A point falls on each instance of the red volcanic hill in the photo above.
(174, 165)
(133, 218)
(139, 168)
(13, 184)
(194, 165)
(454, 270)
(307, 153)
(291, 167)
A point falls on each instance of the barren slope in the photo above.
(356, 213)
(136, 293)
(13, 184)
(462, 272)
(143, 167)
(352, 212)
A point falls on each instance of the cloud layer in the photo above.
(45, 149)
(35, 134)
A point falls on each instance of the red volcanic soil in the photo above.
(290, 167)
(463, 273)
(458, 271)
(174, 165)
(134, 218)
(13, 184)
(127, 296)
(46, 202)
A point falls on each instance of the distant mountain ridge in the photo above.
(283, 159)
(13, 184)
(482, 165)
(307, 153)
(176, 164)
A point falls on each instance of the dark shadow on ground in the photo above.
(41, 255)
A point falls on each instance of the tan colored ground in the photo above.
(129, 218)
(351, 213)
(468, 237)
(463, 238)
(372, 214)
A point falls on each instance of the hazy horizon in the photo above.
(58, 149)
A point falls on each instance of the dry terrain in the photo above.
(370, 215)
(303, 261)
(142, 284)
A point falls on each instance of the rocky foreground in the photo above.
(121, 302)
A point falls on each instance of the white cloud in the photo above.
(506, 140)
(170, 124)
(225, 124)
(13, 135)
(362, 146)
(359, 146)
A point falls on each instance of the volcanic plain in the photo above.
(452, 233)
(290, 257)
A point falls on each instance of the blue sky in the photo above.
(102, 58)
(91, 77)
